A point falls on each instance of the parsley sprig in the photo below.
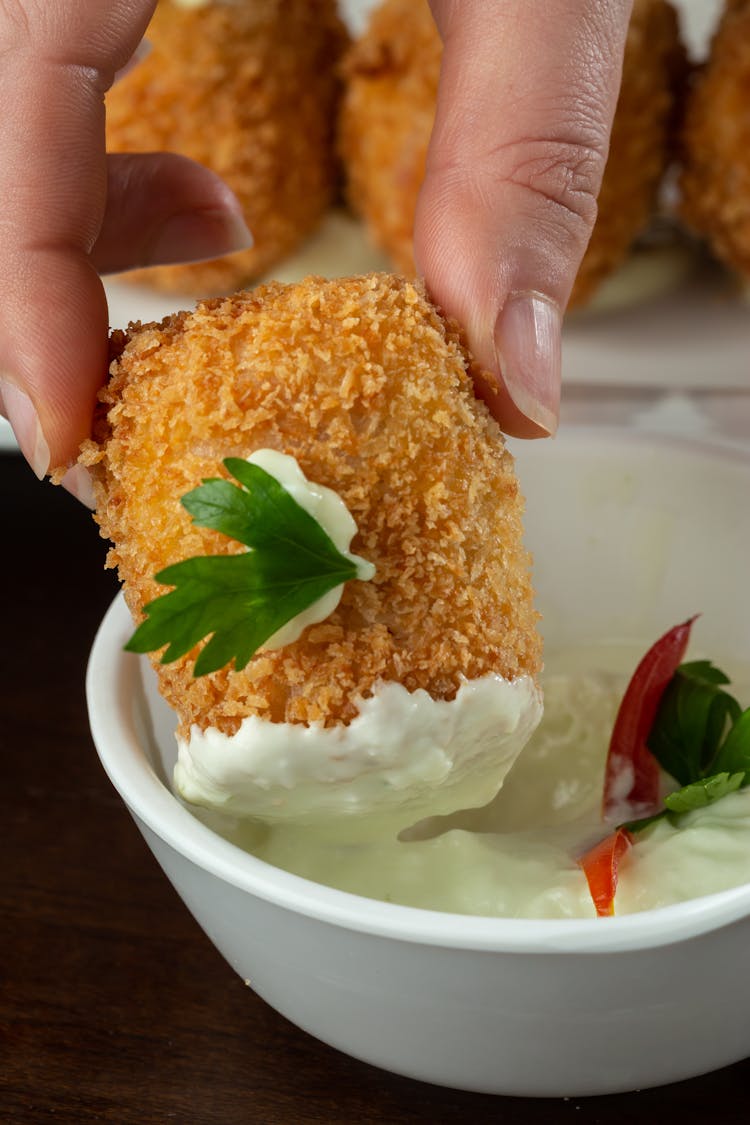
(240, 601)
(701, 738)
(677, 716)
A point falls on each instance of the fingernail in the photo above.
(19, 410)
(528, 346)
(77, 481)
(142, 51)
(199, 235)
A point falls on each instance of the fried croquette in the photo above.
(370, 389)
(249, 90)
(391, 78)
(715, 179)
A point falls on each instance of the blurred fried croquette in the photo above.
(250, 91)
(371, 390)
(391, 78)
(715, 180)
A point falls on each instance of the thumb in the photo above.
(525, 105)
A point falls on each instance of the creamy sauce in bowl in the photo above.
(404, 755)
(516, 857)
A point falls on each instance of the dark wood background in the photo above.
(113, 1004)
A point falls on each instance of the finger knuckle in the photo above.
(564, 175)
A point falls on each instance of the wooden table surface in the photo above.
(114, 1006)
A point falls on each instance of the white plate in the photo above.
(7, 440)
(667, 320)
(689, 331)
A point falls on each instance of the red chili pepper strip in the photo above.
(600, 868)
(631, 780)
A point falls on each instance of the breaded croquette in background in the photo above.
(249, 90)
(715, 180)
(368, 387)
(391, 77)
(390, 90)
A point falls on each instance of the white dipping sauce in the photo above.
(516, 857)
(403, 756)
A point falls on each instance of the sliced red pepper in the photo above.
(600, 868)
(631, 780)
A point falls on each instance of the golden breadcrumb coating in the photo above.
(715, 181)
(250, 91)
(368, 387)
(391, 77)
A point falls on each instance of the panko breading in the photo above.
(391, 78)
(370, 389)
(250, 91)
(715, 181)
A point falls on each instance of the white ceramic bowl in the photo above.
(631, 534)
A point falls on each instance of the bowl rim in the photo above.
(113, 678)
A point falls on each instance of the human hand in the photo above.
(69, 213)
(527, 94)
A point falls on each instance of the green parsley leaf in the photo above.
(694, 796)
(239, 601)
(701, 737)
(735, 752)
(692, 720)
(703, 792)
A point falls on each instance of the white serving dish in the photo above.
(631, 533)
